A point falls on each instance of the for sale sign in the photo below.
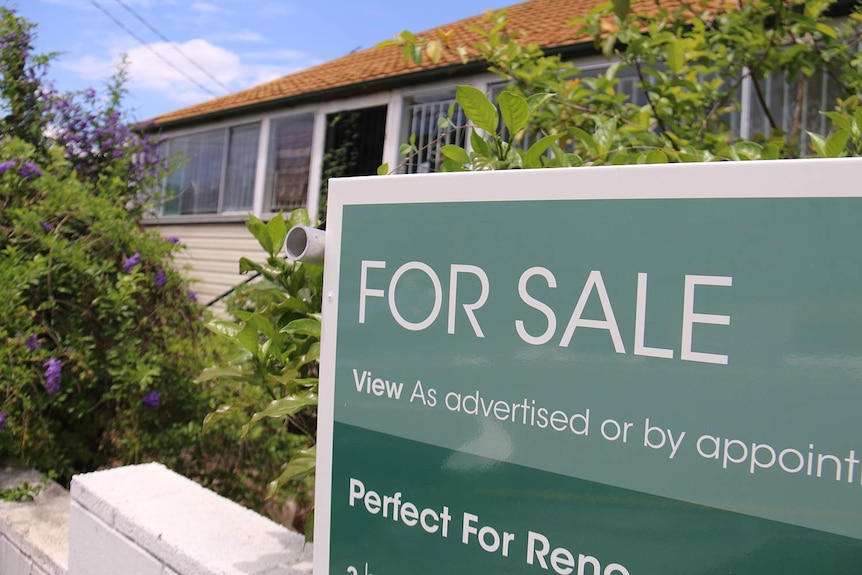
(636, 370)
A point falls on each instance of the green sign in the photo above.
(643, 370)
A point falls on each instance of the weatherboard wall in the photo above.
(211, 254)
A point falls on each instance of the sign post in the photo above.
(639, 370)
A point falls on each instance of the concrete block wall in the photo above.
(140, 520)
(148, 520)
(34, 534)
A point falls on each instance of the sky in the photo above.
(182, 52)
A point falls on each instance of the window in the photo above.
(288, 162)
(422, 117)
(216, 173)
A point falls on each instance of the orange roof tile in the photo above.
(541, 21)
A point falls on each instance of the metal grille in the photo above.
(430, 137)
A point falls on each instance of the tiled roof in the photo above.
(541, 21)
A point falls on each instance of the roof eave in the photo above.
(370, 86)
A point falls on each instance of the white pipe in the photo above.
(305, 244)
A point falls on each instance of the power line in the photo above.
(151, 49)
(173, 45)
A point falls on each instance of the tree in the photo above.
(688, 64)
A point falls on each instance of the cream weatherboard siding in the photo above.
(211, 253)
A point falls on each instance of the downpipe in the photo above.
(305, 244)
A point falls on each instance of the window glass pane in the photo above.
(241, 165)
(193, 188)
(288, 165)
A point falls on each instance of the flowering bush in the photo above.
(101, 338)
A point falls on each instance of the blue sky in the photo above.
(239, 43)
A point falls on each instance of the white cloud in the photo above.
(248, 36)
(207, 8)
(91, 67)
(181, 81)
(276, 9)
(282, 55)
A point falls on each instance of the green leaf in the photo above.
(480, 145)
(770, 152)
(304, 326)
(515, 111)
(222, 327)
(300, 466)
(818, 143)
(826, 30)
(537, 100)
(313, 353)
(608, 46)
(220, 413)
(383, 169)
(210, 373)
(478, 108)
(656, 157)
(561, 158)
(450, 165)
(842, 121)
(836, 144)
(309, 526)
(277, 230)
(532, 157)
(387, 43)
(455, 153)
(248, 339)
(298, 217)
(259, 231)
(281, 408)
(621, 8)
(747, 150)
(675, 55)
(246, 265)
(434, 49)
(586, 139)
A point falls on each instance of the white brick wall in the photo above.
(148, 520)
(141, 520)
(33, 534)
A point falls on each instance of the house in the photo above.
(271, 148)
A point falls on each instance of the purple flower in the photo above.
(33, 343)
(3, 415)
(172, 240)
(131, 262)
(193, 296)
(46, 226)
(53, 369)
(160, 278)
(152, 399)
(4, 166)
(30, 171)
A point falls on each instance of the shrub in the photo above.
(100, 339)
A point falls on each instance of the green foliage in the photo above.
(272, 370)
(688, 64)
(23, 492)
(100, 342)
(101, 338)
